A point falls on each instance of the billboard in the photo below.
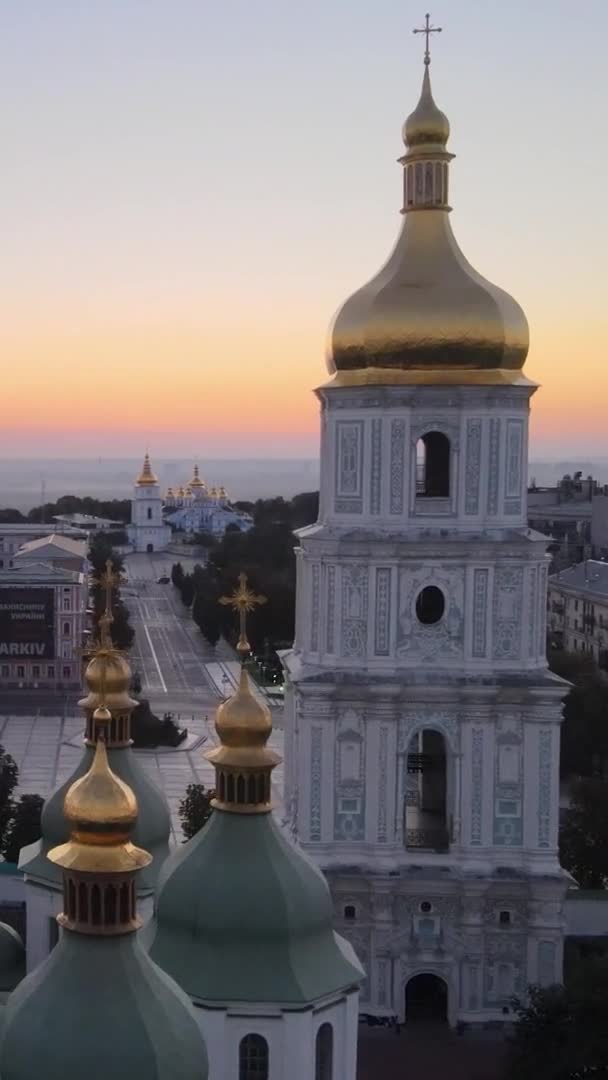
(27, 623)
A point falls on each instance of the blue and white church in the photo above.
(422, 723)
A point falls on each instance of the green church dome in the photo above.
(151, 831)
(244, 915)
(12, 958)
(97, 1007)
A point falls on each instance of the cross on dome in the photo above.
(427, 30)
(243, 600)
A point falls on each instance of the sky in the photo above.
(189, 189)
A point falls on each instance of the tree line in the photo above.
(114, 509)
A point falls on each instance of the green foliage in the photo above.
(24, 827)
(205, 606)
(9, 775)
(187, 590)
(583, 837)
(177, 574)
(10, 516)
(114, 509)
(195, 809)
(584, 733)
(561, 1032)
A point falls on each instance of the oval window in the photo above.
(430, 605)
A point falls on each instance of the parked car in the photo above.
(163, 580)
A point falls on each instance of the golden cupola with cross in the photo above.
(427, 317)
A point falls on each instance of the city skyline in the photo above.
(189, 193)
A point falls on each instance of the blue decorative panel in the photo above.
(513, 466)
(381, 975)
(396, 466)
(349, 467)
(383, 611)
(480, 611)
(472, 467)
(354, 611)
(546, 962)
(331, 609)
(493, 465)
(476, 783)
(544, 787)
(382, 784)
(314, 620)
(508, 782)
(316, 748)
(508, 589)
(376, 467)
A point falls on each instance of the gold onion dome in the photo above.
(101, 811)
(107, 675)
(196, 481)
(243, 724)
(427, 316)
(146, 476)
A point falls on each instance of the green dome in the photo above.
(243, 915)
(12, 958)
(150, 833)
(97, 1008)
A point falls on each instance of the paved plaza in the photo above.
(180, 674)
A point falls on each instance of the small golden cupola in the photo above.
(427, 317)
(146, 477)
(243, 762)
(196, 482)
(99, 860)
(108, 674)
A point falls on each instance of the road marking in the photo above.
(155, 658)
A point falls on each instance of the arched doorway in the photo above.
(426, 999)
(150, 548)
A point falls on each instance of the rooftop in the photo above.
(64, 546)
(590, 577)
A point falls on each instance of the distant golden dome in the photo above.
(196, 481)
(180, 493)
(427, 316)
(146, 476)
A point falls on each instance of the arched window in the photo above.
(253, 1058)
(433, 465)
(324, 1053)
(66, 629)
(350, 912)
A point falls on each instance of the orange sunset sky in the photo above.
(189, 190)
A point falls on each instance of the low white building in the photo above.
(578, 608)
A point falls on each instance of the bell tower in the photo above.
(147, 532)
(422, 723)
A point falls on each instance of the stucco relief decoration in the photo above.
(331, 609)
(383, 784)
(505, 968)
(349, 777)
(473, 466)
(383, 611)
(508, 589)
(493, 465)
(397, 466)
(419, 642)
(480, 603)
(544, 787)
(532, 635)
(508, 783)
(316, 746)
(513, 471)
(442, 720)
(349, 466)
(376, 466)
(314, 617)
(476, 784)
(354, 610)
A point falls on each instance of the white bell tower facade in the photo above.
(147, 532)
(422, 723)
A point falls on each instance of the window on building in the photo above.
(324, 1053)
(5, 671)
(66, 629)
(20, 671)
(350, 912)
(149, 513)
(67, 672)
(50, 671)
(433, 465)
(430, 605)
(36, 671)
(504, 918)
(66, 603)
(253, 1058)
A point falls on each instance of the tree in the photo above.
(205, 606)
(24, 827)
(177, 574)
(561, 1031)
(9, 775)
(187, 590)
(583, 837)
(135, 687)
(584, 733)
(195, 809)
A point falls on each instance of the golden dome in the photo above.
(146, 476)
(244, 725)
(196, 481)
(427, 125)
(107, 675)
(101, 811)
(427, 316)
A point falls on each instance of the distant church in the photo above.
(422, 723)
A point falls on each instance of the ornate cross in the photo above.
(243, 600)
(109, 579)
(427, 30)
